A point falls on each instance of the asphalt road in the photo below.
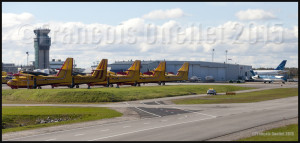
(169, 122)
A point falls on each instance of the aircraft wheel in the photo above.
(77, 86)
(159, 83)
(163, 83)
(139, 84)
(269, 81)
(264, 81)
(52, 86)
(39, 87)
(89, 87)
(111, 85)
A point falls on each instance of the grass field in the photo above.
(286, 133)
(97, 95)
(242, 97)
(23, 118)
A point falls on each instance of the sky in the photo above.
(261, 34)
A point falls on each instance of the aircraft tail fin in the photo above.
(252, 72)
(102, 67)
(135, 66)
(66, 68)
(281, 65)
(184, 67)
(161, 67)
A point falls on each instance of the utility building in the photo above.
(201, 69)
(42, 44)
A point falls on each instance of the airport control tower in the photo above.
(42, 44)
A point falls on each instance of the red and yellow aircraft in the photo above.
(98, 75)
(182, 74)
(131, 75)
(64, 76)
(159, 76)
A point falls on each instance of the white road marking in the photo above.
(79, 128)
(50, 140)
(78, 134)
(126, 126)
(146, 123)
(148, 129)
(147, 112)
(105, 130)
(157, 102)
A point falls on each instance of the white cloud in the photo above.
(11, 19)
(254, 14)
(170, 40)
(165, 14)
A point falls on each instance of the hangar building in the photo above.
(201, 69)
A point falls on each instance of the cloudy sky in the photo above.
(257, 34)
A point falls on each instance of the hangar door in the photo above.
(196, 70)
(221, 74)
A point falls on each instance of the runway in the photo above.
(161, 121)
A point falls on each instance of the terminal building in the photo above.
(200, 69)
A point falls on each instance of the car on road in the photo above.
(211, 91)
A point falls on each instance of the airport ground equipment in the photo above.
(26, 80)
(211, 91)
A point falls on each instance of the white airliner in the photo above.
(276, 71)
(270, 75)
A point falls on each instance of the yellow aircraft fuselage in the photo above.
(132, 75)
(98, 75)
(32, 81)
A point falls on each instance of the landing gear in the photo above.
(111, 85)
(163, 83)
(89, 86)
(159, 83)
(117, 86)
(138, 84)
(39, 87)
(77, 86)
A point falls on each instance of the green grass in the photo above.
(242, 97)
(25, 117)
(96, 95)
(286, 133)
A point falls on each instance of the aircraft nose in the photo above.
(10, 83)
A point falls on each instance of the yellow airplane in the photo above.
(182, 74)
(159, 76)
(98, 75)
(5, 77)
(131, 75)
(29, 80)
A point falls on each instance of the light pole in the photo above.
(212, 57)
(27, 57)
(226, 56)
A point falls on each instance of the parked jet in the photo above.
(276, 71)
(98, 75)
(268, 78)
(27, 80)
(131, 75)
